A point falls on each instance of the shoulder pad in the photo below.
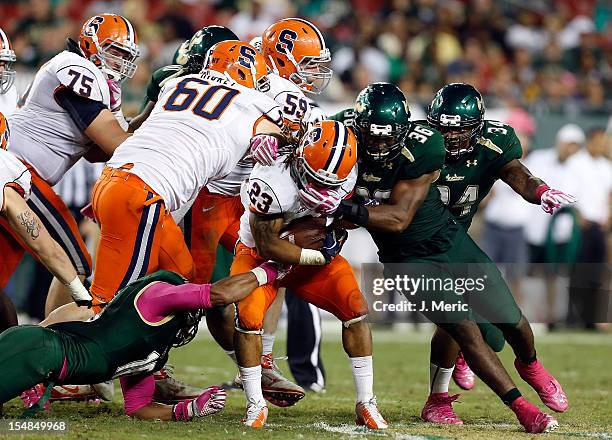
(271, 189)
(82, 77)
(498, 137)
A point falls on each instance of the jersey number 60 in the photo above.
(214, 99)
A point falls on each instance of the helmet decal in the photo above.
(94, 24)
(285, 40)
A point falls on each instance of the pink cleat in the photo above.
(439, 409)
(32, 395)
(544, 384)
(533, 420)
(462, 374)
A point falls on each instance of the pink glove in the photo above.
(323, 201)
(211, 401)
(551, 199)
(115, 94)
(264, 149)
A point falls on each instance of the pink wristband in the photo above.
(541, 190)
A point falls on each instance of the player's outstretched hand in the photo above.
(552, 199)
(264, 149)
(323, 201)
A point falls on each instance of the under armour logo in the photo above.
(469, 163)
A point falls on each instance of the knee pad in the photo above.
(347, 324)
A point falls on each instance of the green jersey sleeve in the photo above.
(346, 116)
(503, 144)
(158, 77)
(424, 151)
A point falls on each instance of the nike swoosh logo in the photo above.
(208, 209)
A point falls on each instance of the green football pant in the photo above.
(460, 283)
(29, 354)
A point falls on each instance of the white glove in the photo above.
(115, 94)
(264, 149)
(552, 199)
(323, 201)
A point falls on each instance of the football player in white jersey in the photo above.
(296, 53)
(23, 228)
(73, 110)
(211, 118)
(8, 91)
(309, 182)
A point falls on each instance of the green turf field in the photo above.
(581, 362)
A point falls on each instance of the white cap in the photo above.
(571, 133)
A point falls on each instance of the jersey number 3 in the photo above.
(213, 99)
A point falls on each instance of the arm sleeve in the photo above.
(137, 392)
(82, 110)
(163, 299)
(153, 89)
(511, 150)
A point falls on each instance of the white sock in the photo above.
(251, 382)
(439, 378)
(232, 356)
(267, 342)
(363, 375)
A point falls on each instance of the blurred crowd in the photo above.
(548, 56)
(531, 58)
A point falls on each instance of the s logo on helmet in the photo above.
(285, 40)
(247, 56)
(452, 120)
(94, 25)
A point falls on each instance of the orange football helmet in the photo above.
(326, 155)
(295, 49)
(109, 41)
(241, 62)
(5, 133)
(7, 58)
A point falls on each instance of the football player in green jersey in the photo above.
(418, 238)
(478, 152)
(129, 339)
(188, 59)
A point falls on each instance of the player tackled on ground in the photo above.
(130, 339)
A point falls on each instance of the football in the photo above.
(306, 232)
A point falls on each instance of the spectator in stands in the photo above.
(505, 215)
(552, 240)
(590, 170)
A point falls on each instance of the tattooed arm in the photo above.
(28, 227)
(520, 179)
(266, 231)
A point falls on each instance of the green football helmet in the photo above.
(457, 111)
(382, 118)
(192, 52)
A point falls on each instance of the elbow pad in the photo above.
(82, 110)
